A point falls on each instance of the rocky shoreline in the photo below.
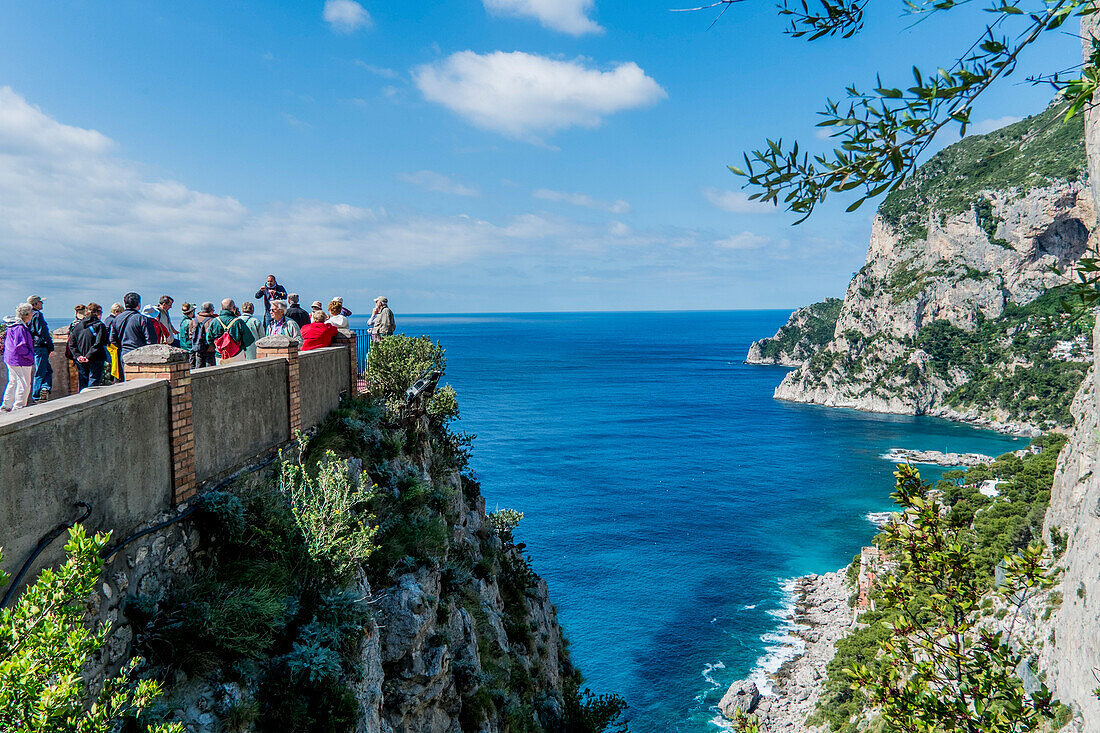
(938, 458)
(820, 617)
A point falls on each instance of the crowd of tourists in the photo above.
(96, 344)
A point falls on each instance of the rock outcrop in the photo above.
(806, 332)
(462, 637)
(1071, 656)
(821, 616)
(968, 250)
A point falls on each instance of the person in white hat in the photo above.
(382, 323)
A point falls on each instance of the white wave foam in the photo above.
(748, 607)
(781, 645)
(720, 722)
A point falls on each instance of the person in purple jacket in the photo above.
(19, 357)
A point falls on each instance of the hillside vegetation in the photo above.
(1033, 152)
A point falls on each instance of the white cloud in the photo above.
(744, 240)
(582, 199)
(381, 71)
(345, 16)
(736, 202)
(983, 127)
(525, 96)
(434, 181)
(567, 16)
(78, 222)
(295, 122)
(65, 198)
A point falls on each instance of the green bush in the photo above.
(396, 362)
(330, 508)
(45, 642)
(504, 521)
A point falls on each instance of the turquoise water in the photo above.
(666, 494)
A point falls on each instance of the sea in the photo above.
(667, 497)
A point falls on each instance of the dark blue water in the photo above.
(666, 494)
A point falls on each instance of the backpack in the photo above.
(225, 345)
(197, 331)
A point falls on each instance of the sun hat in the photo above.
(35, 299)
(187, 308)
(381, 299)
(317, 305)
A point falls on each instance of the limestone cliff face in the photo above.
(806, 332)
(927, 264)
(461, 637)
(1071, 656)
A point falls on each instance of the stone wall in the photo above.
(240, 410)
(107, 447)
(318, 371)
(136, 449)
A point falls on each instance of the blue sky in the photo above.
(473, 155)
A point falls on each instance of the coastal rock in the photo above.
(821, 617)
(741, 696)
(938, 458)
(1071, 654)
(960, 263)
(806, 332)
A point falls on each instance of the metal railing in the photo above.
(362, 345)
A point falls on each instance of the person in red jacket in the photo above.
(317, 334)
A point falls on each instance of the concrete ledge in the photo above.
(87, 400)
(318, 352)
(155, 354)
(237, 366)
(275, 342)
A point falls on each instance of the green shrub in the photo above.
(396, 362)
(45, 642)
(504, 521)
(331, 511)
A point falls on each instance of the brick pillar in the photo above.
(162, 361)
(65, 378)
(283, 347)
(347, 338)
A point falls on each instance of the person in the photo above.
(281, 325)
(88, 347)
(164, 336)
(165, 319)
(271, 290)
(43, 345)
(229, 322)
(79, 311)
(19, 357)
(295, 312)
(130, 330)
(317, 306)
(318, 334)
(202, 346)
(185, 325)
(112, 366)
(383, 317)
(254, 325)
(343, 311)
(337, 317)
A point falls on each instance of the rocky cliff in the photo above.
(806, 332)
(1071, 656)
(443, 626)
(950, 292)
